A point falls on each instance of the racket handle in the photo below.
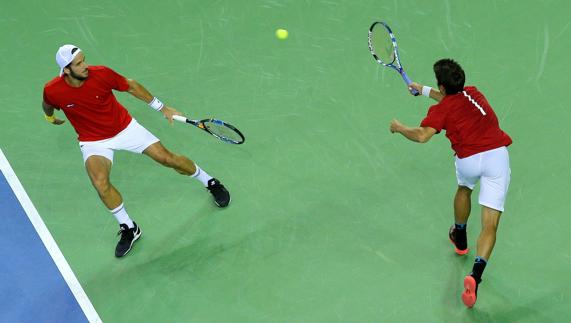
(408, 81)
(179, 118)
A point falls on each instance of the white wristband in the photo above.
(156, 104)
(426, 91)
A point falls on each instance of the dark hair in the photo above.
(450, 75)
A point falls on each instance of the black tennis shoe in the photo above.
(219, 192)
(128, 237)
(459, 240)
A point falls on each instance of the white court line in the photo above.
(48, 240)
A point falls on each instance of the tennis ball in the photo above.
(281, 34)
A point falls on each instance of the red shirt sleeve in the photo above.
(435, 118)
(117, 81)
(48, 101)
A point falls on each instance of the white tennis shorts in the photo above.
(135, 138)
(492, 169)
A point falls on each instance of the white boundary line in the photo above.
(48, 240)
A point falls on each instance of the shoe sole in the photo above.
(135, 238)
(469, 295)
(458, 251)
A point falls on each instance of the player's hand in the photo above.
(57, 122)
(53, 120)
(395, 126)
(416, 86)
(169, 112)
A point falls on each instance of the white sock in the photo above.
(201, 175)
(121, 215)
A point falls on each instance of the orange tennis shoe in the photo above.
(459, 240)
(470, 293)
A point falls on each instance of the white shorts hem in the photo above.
(492, 206)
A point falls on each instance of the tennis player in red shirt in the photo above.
(85, 95)
(481, 155)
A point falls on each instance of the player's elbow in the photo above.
(423, 138)
(424, 134)
(132, 85)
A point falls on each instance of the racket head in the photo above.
(223, 131)
(383, 45)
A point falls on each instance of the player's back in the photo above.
(471, 124)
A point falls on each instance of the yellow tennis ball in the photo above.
(281, 34)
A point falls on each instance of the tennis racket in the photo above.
(383, 47)
(218, 128)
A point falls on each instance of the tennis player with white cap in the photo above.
(65, 55)
(85, 95)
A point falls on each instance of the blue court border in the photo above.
(49, 244)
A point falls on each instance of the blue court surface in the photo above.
(36, 283)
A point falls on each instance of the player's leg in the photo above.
(99, 168)
(493, 190)
(467, 175)
(136, 138)
(462, 204)
(486, 242)
(185, 166)
(163, 156)
(487, 238)
(462, 208)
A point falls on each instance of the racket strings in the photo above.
(382, 45)
(222, 131)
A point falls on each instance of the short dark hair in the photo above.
(450, 75)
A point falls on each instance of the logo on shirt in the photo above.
(71, 105)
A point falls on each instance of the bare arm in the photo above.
(418, 134)
(140, 92)
(49, 111)
(434, 93)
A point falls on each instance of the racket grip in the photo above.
(408, 81)
(179, 118)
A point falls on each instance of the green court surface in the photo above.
(333, 219)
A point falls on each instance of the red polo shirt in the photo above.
(92, 108)
(471, 125)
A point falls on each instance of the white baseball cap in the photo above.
(65, 54)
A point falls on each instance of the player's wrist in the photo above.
(50, 119)
(426, 91)
(156, 104)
